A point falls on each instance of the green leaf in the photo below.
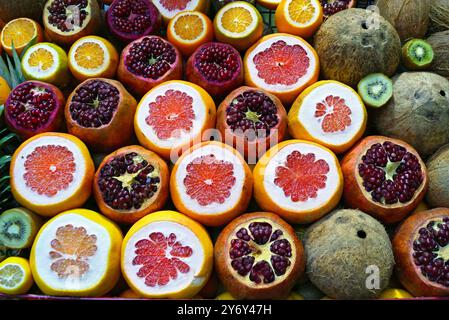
(4, 72)
(14, 80)
(17, 64)
(7, 139)
(4, 179)
(5, 190)
(5, 160)
(2, 108)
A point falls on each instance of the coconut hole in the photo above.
(361, 234)
(443, 93)
(364, 25)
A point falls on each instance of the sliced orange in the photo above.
(329, 113)
(188, 30)
(15, 276)
(20, 31)
(167, 255)
(170, 8)
(299, 17)
(93, 57)
(77, 253)
(4, 91)
(269, 4)
(51, 172)
(211, 183)
(299, 180)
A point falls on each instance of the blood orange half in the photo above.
(299, 180)
(172, 116)
(211, 183)
(329, 113)
(51, 172)
(167, 255)
(170, 8)
(282, 64)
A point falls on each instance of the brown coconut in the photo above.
(440, 44)
(418, 112)
(439, 15)
(354, 43)
(342, 249)
(438, 173)
(409, 17)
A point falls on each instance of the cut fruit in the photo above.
(170, 8)
(20, 32)
(331, 7)
(167, 255)
(51, 172)
(131, 183)
(258, 256)
(172, 116)
(188, 30)
(269, 4)
(211, 183)
(77, 253)
(395, 294)
(417, 54)
(299, 180)
(93, 57)
(4, 90)
(329, 113)
(239, 24)
(299, 17)
(15, 276)
(18, 228)
(281, 64)
(46, 62)
(375, 89)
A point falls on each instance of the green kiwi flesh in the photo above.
(417, 54)
(375, 90)
(18, 228)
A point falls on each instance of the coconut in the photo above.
(418, 112)
(440, 45)
(349, 255)
(439, 15)
(409, 17)
(354, 43)
(438, 173)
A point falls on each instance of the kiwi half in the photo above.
(375, 90)
(417, 54)
(18, 228)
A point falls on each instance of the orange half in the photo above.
(20, 32)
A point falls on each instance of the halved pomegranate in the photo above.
(258, 256)
(66, 21)
(217, 67)
(34, 107)
(101, 113)
(421, 250)
(147, 62)
(331, 7)
(384, 177)
(252, 121)
(129, 20)
(131, 183)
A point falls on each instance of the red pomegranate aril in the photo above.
(331, 7)
(58, 15)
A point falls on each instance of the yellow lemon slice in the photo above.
(15, 276)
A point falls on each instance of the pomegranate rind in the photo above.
(203, 107)
(191, 5)
(303, 123)
(355, 195)
(286, 93)
(104, 265)
(79, 189)
(408, 273)
(271, 197)
(192, 234)
(242, 288)
(213, 214)
(156, 202)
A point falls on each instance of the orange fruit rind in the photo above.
(20, 32)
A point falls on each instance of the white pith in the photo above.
(92, 72)
(183, 280)
(98, 263)
(76, 28)
(249, 29)
(37, 71)
(18, 284)
(191, 6)
(277, 194)
(19, 170)
(199, 108)
(306, 113)
(201, 35)
(220, 153)
(315, 5)
(289, 40)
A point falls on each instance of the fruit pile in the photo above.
(268, 149)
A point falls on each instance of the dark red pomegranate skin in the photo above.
(331, 7)
(128, 20)
(34, 107)
(247, 277)
(216, 67)
(147, 62)
(384, 177)
(416, 245)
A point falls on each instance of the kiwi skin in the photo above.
(411, 62)
(28, 220)
(363, 87)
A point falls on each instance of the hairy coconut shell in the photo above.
(418, 112)
(440, 45)
(409, 17)
(343, 249)
(438, 173)
(439, 15)
(354, 43)
(10, 9)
